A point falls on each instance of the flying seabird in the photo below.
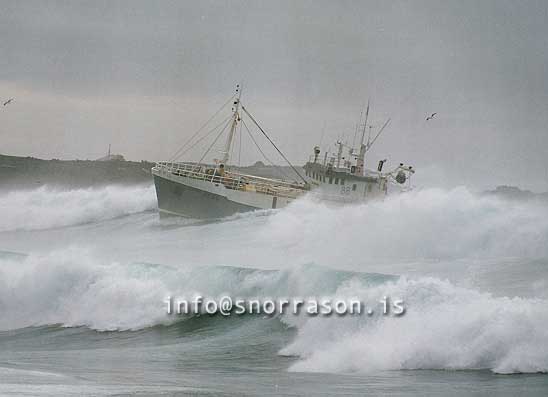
(8, 101)
(431, 116)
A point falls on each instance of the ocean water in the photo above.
(84, 275)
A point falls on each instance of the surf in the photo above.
(445, 326)
(454, 320)
(48, 207)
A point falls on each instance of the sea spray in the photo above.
(444, 327)
(430, 223)
(47, 207)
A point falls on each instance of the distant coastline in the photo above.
(515, 193)
(29, 172)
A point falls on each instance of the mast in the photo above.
(365, 124)
(339, 153)
(361, 156)
(235, 119)
(357, 129)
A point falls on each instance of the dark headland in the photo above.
(29, 172)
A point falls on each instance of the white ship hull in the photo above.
(192, 197)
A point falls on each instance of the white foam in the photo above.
(46, 207)
(444, 327)
(69, 287)
(73, 288)
(430, 223)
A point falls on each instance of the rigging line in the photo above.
(378, 133)
(264, 155)
(365, 123)
(273, 144)
(177, 153)
(356, 130)
(213, 143)
(354, 139)
(205, 136)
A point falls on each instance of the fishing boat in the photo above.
(206, 190)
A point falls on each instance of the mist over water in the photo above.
(472, 270)
(428, 224)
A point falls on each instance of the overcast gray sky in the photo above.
(144, 76)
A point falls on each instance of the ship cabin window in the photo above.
(330, 180)
(354, 187)
(336, 181)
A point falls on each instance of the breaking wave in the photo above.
(430, 223)
(46, 207)
(444, 327)
(72, 288)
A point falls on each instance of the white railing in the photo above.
(232, 180)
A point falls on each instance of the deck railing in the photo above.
(233, 180)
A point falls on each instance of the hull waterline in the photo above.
(179, 199)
